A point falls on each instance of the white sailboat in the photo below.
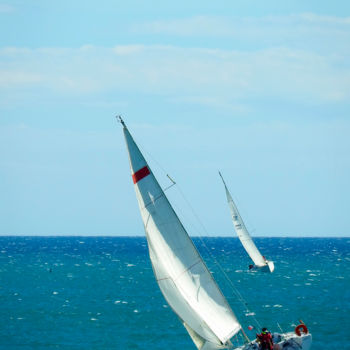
(183, 277)
(260, 262)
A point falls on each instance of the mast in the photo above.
(242, 231)
(180, 271)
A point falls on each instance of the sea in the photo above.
(100, 292)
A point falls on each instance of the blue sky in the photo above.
(258, 90)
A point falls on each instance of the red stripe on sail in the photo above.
(140, 174)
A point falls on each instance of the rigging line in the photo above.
(166, 188)
(234, 289)
(241, 299)
(155, 161)
(160, 167)
(153, 200)
(279, 326)
(200, 235)
(187, 269)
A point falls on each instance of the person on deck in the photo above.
(265, 340)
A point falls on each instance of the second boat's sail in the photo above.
(244, 236)
(183, 277)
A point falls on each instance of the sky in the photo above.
(259, 90)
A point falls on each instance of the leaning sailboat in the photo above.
(182, 276)
(260, 262)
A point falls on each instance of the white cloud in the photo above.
(128, 49)
(311, 17)
(10, 79)
(202, 76)
(301, 57)
(246, 26)
(198, 26)
(302, 31)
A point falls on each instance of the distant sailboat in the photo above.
(182, 276)
(259, 261)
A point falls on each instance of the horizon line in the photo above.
(143, 236)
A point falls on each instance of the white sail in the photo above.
(183, 277)
(242, 232)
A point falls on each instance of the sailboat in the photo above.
(183, 278)
(260, 262)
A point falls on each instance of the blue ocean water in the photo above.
(100, 293)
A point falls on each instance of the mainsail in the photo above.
(182, 275)
(243, 233)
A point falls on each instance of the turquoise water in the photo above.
(99, 292)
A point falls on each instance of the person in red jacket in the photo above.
(265, 340)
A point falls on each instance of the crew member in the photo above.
(265, 340)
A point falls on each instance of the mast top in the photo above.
(119, 118)
(222, 179)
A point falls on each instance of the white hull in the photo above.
(268, 267)
(286, 341)
(271, 265)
